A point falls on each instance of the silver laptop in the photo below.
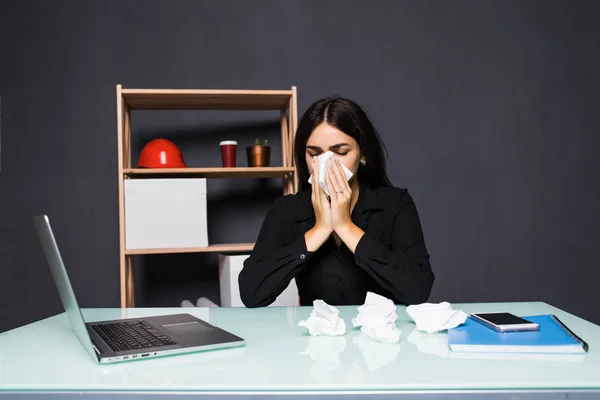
(134, 338)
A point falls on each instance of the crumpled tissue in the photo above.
(323, 171)
(324, 320)
(377, 319)
(432, 318)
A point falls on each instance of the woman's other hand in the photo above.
(341, 195)
(323, 225)
(341, 204)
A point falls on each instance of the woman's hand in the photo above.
(341, 195)
(341, 203)
(323, 226)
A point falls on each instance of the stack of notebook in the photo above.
(552, 337)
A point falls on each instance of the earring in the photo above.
(363, 162)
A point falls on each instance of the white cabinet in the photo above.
(230, 267)
(165, 213)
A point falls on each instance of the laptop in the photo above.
(132, 338)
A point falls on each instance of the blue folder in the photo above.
(552, 337)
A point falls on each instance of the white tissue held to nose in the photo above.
(323, 171)
(377, 319)
(433, 318)
(324, 320)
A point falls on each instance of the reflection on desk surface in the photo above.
(376, 354)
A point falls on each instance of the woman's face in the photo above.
(326, 137)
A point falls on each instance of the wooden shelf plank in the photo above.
(213, 248)
(192, 99)
(238, 172)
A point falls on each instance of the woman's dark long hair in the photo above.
(350, 118)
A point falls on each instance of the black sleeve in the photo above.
(274, 261)
(403, 268)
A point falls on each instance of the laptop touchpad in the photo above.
(187, 327)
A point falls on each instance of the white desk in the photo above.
(45, 358)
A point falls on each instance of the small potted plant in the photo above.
(259, 155)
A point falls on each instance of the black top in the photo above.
(390, 259)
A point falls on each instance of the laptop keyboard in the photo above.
(131, 335)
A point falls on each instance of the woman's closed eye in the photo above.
(316, 153)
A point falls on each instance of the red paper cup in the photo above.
(228, 153)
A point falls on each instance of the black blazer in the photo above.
(390, 259)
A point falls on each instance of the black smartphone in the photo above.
(505, 322)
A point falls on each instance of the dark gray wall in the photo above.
(489, 110)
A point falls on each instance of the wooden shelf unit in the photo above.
(192, 99)
(129, 99)
(213, 248)
(237, 172)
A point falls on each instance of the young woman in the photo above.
(366, 237)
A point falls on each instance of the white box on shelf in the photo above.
(229, 270)
(165, 213)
